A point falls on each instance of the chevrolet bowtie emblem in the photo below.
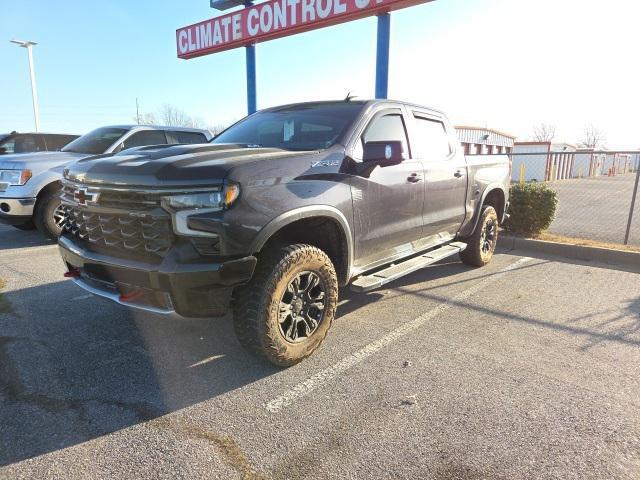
(83, 197)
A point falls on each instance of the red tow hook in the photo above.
(129, 297)
(73, 273)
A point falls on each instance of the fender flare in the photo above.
(476, 216)
(44, 180)
(310, 211)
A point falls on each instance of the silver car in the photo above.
(30, 183)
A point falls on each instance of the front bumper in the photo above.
(187, 289)
(16, 211)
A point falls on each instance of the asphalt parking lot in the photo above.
(525, 369)
(596, 208)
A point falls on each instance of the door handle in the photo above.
(413, 178)
(458, 174)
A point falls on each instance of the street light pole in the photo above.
(34, 93)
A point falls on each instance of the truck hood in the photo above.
(167, 166)
(39, 160)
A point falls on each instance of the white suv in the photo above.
(30, 183)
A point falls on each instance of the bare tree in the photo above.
(169, 115)
(175, 117)
(198, 122)
(216, 129)
(593, 137)
(148, 118)
(545, 132)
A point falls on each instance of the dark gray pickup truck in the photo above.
(278, 212)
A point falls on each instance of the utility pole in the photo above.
(34, 93)
(137, 112)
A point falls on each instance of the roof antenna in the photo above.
(349, 97)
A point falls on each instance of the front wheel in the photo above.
(482, 242)
(48, 216)
(284, 313)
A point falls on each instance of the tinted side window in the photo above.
(146, 137)
(387, 128)
(431, 141)
(56, 142)
(25, 144)
(189, 137)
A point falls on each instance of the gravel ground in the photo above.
(525, 369)
(596, 209)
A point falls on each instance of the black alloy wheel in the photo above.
(302, 307)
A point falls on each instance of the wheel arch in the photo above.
(49, 187)
(497, 198)
(284, 227)
(494, 195)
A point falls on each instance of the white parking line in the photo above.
(324, 376)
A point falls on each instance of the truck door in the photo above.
(387, 201)
(445, 173)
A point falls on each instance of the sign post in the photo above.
(252, 87)
(252, 95)
(382, 55)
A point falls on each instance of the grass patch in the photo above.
(5, 306)
(550, 237)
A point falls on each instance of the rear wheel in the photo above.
(48, 216)
(284, 313)
(482, 243)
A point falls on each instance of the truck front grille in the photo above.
(117, 198)
(144, 235)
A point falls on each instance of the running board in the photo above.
(366, 283)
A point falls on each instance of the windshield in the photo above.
(95, 142)
(304, 127)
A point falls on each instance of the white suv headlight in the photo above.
(216, 200)
(15, 177)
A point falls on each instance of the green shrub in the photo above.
(532, 209)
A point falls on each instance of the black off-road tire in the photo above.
(256, 305)
(43, 216)
(25, 226)
(481, 244)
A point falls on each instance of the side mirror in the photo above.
(383, 153)
(3, 150)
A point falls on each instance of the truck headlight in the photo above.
(15, 177)
(216, 200)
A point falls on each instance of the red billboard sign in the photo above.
(275, 19)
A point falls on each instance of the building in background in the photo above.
(554, 162)
(618, 163)
(588, 164)
(478, 140)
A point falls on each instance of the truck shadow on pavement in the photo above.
(13, 238)
(73, 368)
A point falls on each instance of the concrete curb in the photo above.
(578, 252)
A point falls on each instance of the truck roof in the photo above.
(363, 102)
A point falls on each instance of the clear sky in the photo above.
(506, 64)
